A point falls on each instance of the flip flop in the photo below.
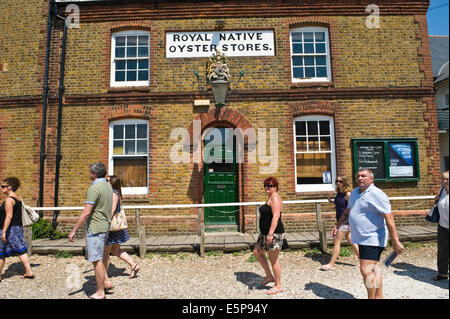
(134, 271)
(273, 291)
(325, 268)
(439, 277)
(28, 277)
(90, 297)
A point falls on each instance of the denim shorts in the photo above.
(95, 245)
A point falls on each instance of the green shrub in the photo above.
(346, 252)
(43, 229)
(63, 254)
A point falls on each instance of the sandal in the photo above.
(273, 291)
(28, 277)
(327, 268)
(134, 271)
(439, 277)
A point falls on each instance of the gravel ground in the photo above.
(230, 275)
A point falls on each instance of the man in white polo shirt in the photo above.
(369, 214)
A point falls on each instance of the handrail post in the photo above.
(322, 229)
(141, 234)
(202, 232)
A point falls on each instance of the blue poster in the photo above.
(401, 160)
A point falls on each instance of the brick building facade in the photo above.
(124, 97)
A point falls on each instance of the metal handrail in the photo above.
(201, 226)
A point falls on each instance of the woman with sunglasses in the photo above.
(272, 235)
(343, 191)
(11, 230)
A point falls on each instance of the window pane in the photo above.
(130, 147)
(309, 60)
(321, 60)
(309, 72)
(141, 147)
(118, 148)
(324, 127)
(312, 128)
(309, 48)
(320, 36)
(298, 73)
(120, 76)
(131, 40)
(297, 36)
(297, 48)
(143, 51)
(143, 40)
(131, 52)
(308, 36)
(325, 143)
(130, 131)
(120, 52)
(300, 128)
(132, 64)
(118, 132)
(132, 172)
(131, 76)
(322, 72)
(143, 76)
(301, 144)
(320, 48)
(297, 60)
(313, 143)
(310, 167)
(143, 64)
(120, 65)
(141, 131)
(120, 41)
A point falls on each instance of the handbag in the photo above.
(119, 221)
(433, 215)
(29, 216)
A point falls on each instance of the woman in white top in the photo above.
(442, 202)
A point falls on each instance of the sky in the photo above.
(437, 17)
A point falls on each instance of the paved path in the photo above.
(218, 241)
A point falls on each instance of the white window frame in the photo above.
(316, 187)
(113, 82)
(127, 190)
(327, 54)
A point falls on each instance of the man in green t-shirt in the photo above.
(97, 216)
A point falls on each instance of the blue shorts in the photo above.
(370, 252)
(95, 245)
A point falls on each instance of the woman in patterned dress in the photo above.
(11, 231)
(272, 236)
(116, 238)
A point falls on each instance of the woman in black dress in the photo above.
(272, 235)
(11, 231)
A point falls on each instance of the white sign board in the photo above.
(231, 43)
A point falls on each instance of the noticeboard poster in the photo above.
(371, 155)
(401, 160)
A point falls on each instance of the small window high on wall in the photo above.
(310, 55)
(315, 165)
(130, 59)
(129, 154)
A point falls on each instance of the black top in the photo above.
(265, 220)
(17, 214)
(341, 204)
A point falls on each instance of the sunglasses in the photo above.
(268, 185)
(4, 186)
(339, 181)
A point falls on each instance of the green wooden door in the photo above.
(220, 178)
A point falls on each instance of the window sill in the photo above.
(122, 89)
(311, 84)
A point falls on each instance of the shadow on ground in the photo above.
(419, 273)
(16, 269)
(327, 292)
(251, 280)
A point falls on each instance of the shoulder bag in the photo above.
(29, 216)
(119, 221)
(433, 214)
